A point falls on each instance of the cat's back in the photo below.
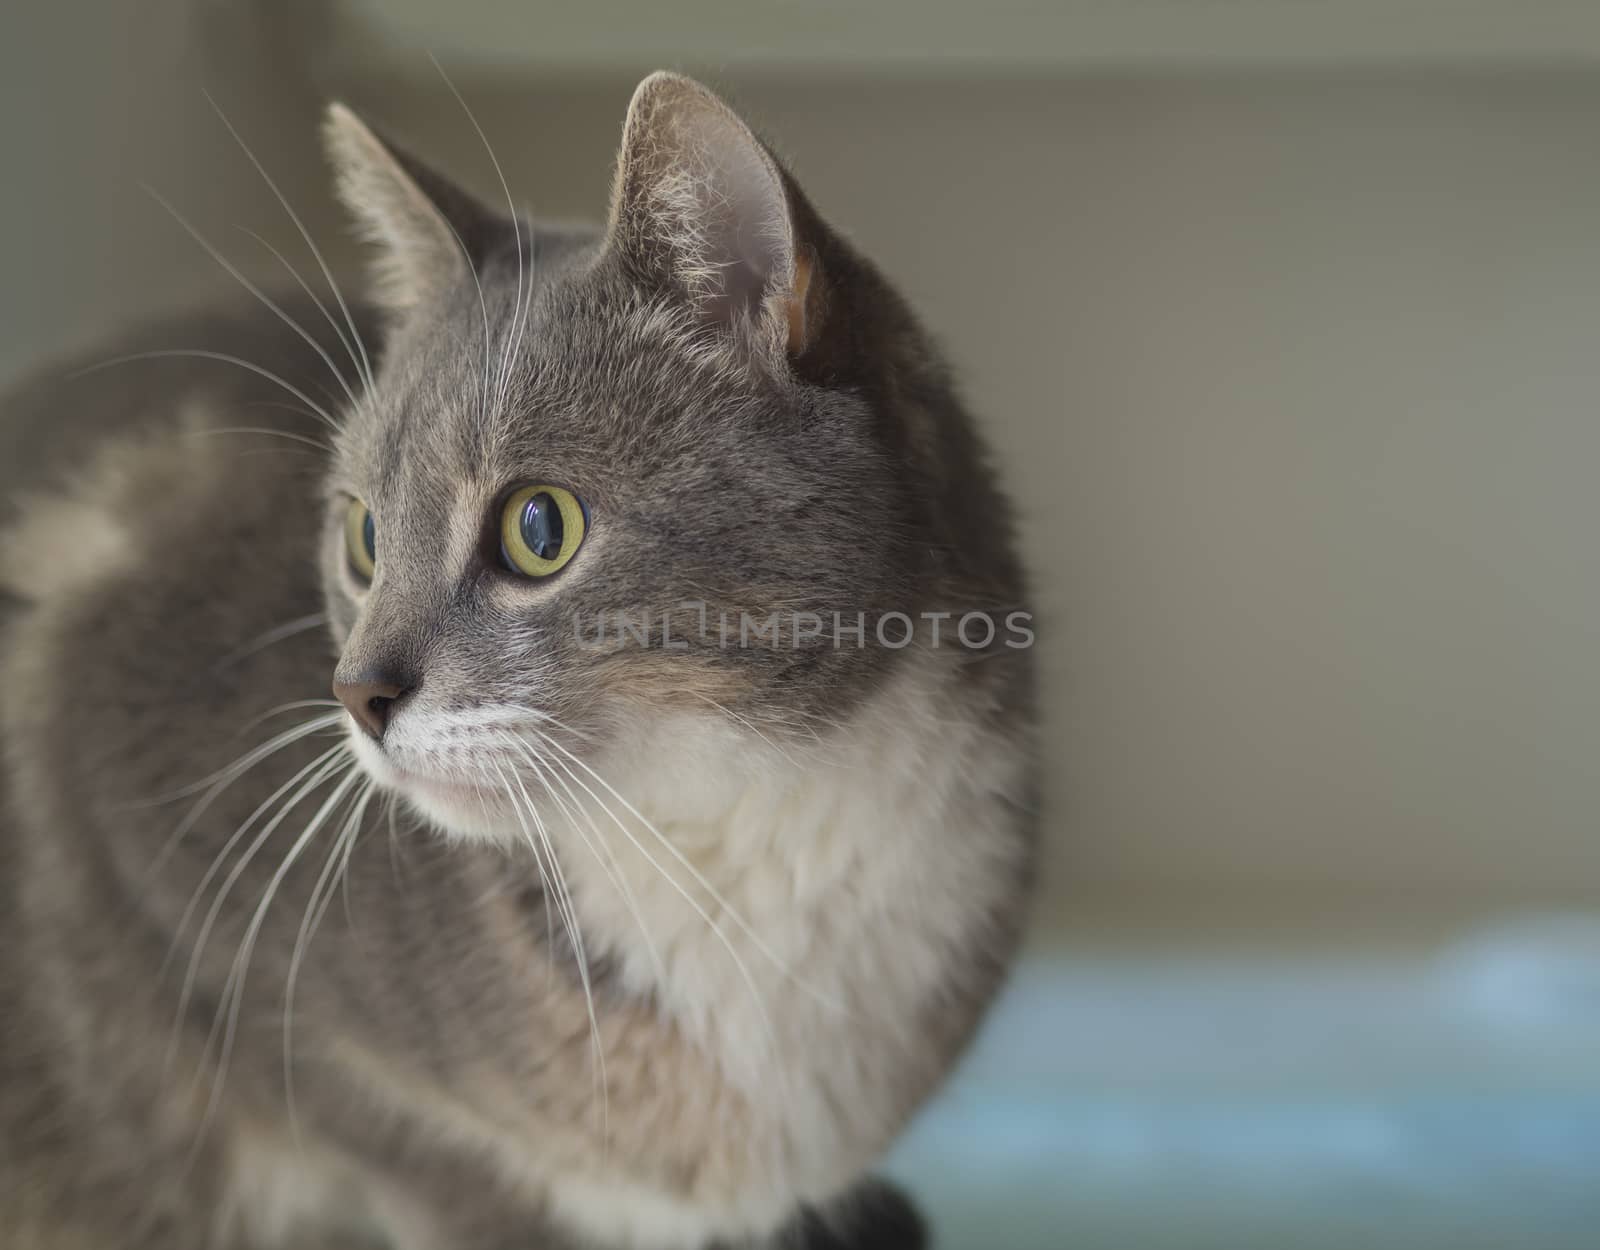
(134, 478)
(237, 362)
(129, 461)
(126, 464)
(227, 396)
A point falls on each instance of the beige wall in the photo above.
(1295, 378)
(100, 99)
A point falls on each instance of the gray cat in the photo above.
(658, 854)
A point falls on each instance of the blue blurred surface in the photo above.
(1163, 1100)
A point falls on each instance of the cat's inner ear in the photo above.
(700, 206)
(428, 234)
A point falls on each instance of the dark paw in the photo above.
(872, 1216)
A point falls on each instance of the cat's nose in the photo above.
(370, 700)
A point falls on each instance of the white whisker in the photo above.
(309, 924)
(483, 312)
(327, 765)
(297, 703)
(265, 432)
(233, 987)
(569, 917)
(748, 724)
(223, 358)
(283, 739)
(547, 889)
(327, 274)
(521, 324)
(272, 305)
(743, 970)
(219, 782)
(606, 860)
(755, 938)
(503, 374)
(316, 300)
(278, 633)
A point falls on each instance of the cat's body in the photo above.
(795, 875)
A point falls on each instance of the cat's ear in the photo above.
(428, 233)
(700, 206)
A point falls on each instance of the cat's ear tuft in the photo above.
(427, 232)
(700, 206)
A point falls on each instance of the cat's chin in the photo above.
(458, 808)
(465, 818)
(460, 811)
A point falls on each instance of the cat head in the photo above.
(609, 483)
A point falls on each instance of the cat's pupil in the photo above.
(369, 537)
(542, 527)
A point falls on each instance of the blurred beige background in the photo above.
(1292, 363)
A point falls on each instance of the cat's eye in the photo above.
(360, 540)
(541, 528)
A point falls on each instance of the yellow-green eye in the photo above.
(541, 528)
(360, 540)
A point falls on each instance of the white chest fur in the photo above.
(795, 907)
